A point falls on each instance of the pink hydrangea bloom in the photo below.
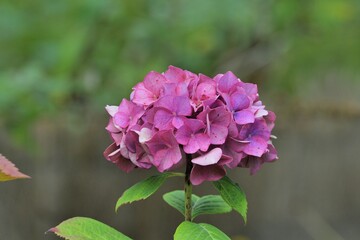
(217, 123)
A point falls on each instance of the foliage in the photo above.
(86, 229)
(210, 204)
(201, 231)
(86, 53)
(8, 171)
(144, 189)
(232, 197)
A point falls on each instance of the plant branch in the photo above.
(188, 189)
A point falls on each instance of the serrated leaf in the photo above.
(176, 199)
(82, 228)
(8, 171)
(210, 204)
(232, 195)
(143, 189)
(198, 231)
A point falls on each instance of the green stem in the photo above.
(188, 189)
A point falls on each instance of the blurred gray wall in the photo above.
(311, 192)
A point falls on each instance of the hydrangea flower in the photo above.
(217, 123)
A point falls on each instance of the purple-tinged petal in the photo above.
(239, 101)
(271, 154)
(183, 135)
(220, 116)
(224, 160)
(256, 147)
(199, 174)
(112, 153)
(177, 122)
(163, 119)
(251, 90)
(227, 82)
(233, 129)
(182, 105)
(244, 117)
(164, 149)
(210, 158)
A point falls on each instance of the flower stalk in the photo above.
(188, 189)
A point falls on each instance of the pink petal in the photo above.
(145, 135)
(111, 127)
(143, 96)
(117, 137)
(209, 158)
(203, 141)
(175, 74)
(199, 174)
(218, 134)
(121, 120)
(111, 110)
(220, 116)
(154, 82)
(192, 146)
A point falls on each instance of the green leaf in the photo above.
(176, 199)
(8, 171)
(233, 195)
(144, 189)
(81, 228)
(201, 231)
(211, 204)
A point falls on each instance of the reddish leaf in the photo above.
(8, 171)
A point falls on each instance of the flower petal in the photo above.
(227, 82)
(199, 174)
(163, 119)
(244, 117)
(209, 158)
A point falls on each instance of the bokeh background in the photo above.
(61, 62)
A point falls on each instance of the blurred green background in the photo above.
(61, 62)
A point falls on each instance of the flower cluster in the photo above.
(217, 122)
